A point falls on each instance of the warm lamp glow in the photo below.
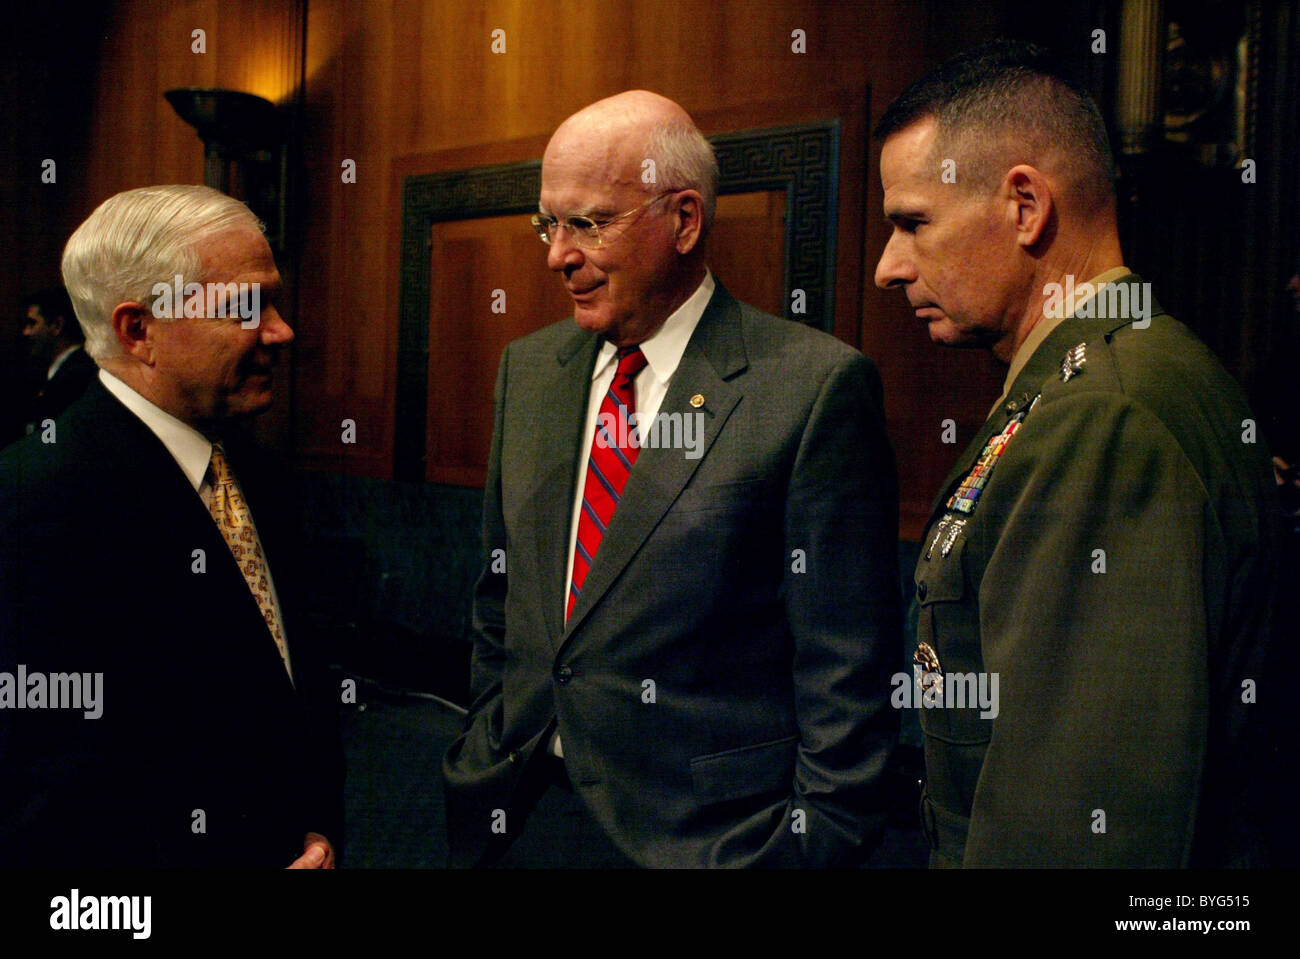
(269, 80)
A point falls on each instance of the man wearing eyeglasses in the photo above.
(689, 603)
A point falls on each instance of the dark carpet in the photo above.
(393, 744)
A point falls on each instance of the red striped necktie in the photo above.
(613, 451)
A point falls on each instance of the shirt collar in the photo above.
(190, 448)
(60, 360)
(1043, 329)
(663, 350)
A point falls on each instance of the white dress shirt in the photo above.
(663, 352)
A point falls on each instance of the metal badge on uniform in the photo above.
(931, 673)
(1073, 362)
(951, 537)
(945, 536)
(927, 658)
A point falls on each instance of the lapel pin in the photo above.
(697, 400)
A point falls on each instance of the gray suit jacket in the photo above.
(755, 586)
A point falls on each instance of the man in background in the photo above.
(55, 342)
(688, 608)
(1102, 548)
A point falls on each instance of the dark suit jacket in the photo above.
(63, 389)
(754, 586)
(1114, 574)
(97, 538)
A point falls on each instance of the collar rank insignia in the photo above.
(1073, 362)
(968, 493)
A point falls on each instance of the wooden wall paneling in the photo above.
(136, 138)
(847, 109)
(388, 79)
(437, 86)
(353, 112)
(801, 160)
(746, 245)
(423, 79)
(496, 190)
(470, 261)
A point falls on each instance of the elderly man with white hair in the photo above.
(170, 715)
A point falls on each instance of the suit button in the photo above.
(563, 674)
(920, 590)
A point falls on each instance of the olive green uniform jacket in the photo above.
(1113, 576)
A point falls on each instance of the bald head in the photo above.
(625, 118)
(628, 188)
(615, 137)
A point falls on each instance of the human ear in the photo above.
(1029, 198)
(688, 220)
(131, 327)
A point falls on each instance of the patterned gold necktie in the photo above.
(230, 511)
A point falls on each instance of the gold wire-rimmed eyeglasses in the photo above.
(584, 230)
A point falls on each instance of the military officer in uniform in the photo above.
(1100, 555)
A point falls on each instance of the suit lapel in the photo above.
(714, 355)
(138, 475)
(560, 444)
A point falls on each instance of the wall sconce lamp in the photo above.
(245, 153)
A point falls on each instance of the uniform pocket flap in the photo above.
(745, 771)
(940, 579)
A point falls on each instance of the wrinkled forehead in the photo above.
(239, 253)
(908, 157)
(917, 178)
(589, 164)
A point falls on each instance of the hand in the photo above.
(1287, 478)
(317, 853)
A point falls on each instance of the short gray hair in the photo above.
(1006, 102)
(135, 240)
(684, 160)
